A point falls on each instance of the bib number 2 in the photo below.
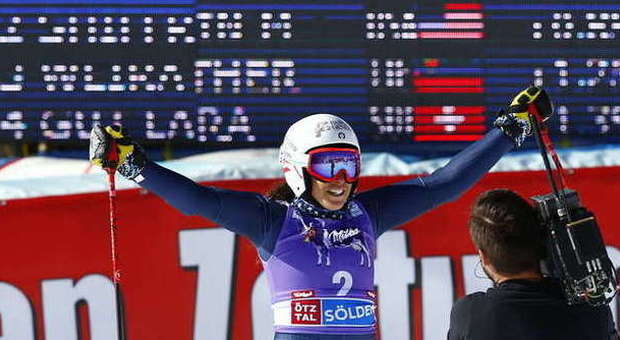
(345, 279)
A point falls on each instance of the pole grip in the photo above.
(111, 156)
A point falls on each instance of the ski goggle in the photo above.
(327, 164)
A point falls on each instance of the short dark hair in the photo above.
(507, 229)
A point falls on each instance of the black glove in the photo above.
(516, 123)
(130, 158)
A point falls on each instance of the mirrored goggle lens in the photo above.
(328, 164)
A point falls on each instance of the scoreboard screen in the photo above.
(424, 74)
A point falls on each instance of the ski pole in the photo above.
(111, 162)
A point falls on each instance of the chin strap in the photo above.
(314, 210)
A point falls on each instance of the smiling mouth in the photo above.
(336, 192)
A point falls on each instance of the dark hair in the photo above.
(507, 229)
(281, 192)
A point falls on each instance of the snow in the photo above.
(47, 176)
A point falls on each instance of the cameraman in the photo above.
(522, 303)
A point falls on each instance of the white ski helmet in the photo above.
(306, 134)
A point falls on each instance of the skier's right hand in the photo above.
(130, 156)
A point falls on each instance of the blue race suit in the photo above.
(305, 249)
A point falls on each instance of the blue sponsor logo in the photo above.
(348, 312)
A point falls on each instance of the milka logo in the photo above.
(339, 236)
(324, 241)
(329, 125)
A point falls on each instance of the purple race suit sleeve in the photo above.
(246, 213)
(395, 204)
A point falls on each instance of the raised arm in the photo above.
(398, 203)
(245, 213)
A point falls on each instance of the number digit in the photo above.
(213, 288)
(346, 285)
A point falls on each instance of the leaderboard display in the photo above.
(419, 74)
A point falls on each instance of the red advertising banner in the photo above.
(185, 278)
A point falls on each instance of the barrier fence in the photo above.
(185, 278)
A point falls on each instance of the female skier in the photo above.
(317, 248)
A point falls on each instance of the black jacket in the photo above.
(532, 310)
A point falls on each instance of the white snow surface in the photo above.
(46, 176)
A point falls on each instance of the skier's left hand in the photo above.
(515, 122)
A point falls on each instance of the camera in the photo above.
(576, 254)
